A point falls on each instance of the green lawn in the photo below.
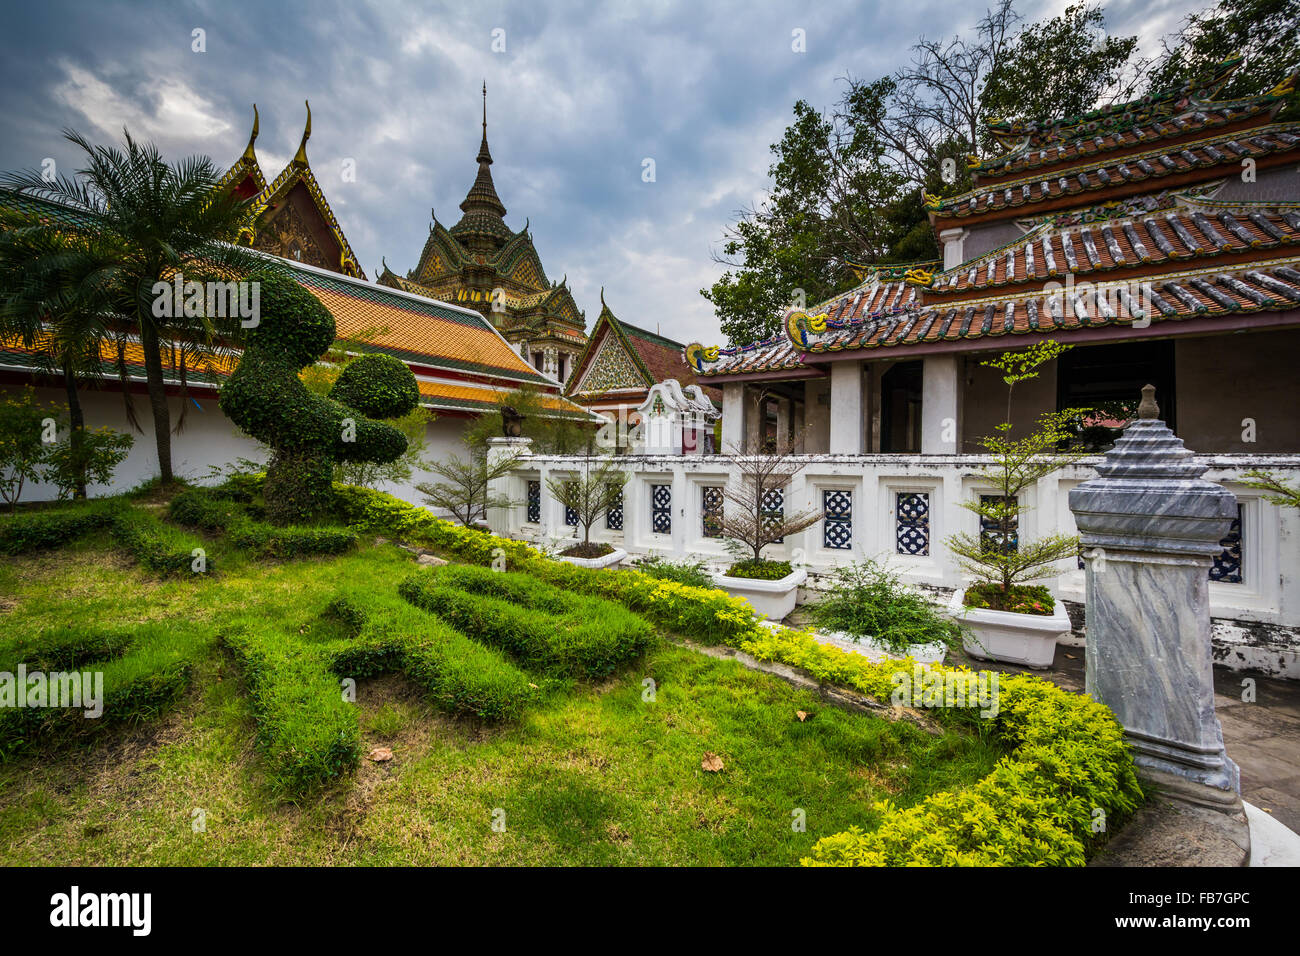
(591, 774)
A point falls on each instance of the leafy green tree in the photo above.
(552, 433)
(847, 186)
(138, 220)
(1265, 33)
(84, 456)
(23, 449)
(1056, 68)
(999, 557)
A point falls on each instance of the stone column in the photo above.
(503, 521)
(1150, 526)
(940, 405)
(733, 418)
(846, 408)
(755, 421)
(953, 240)
(783, 424)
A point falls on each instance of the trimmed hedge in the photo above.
(555, 631)
(155, 545)
(144, 671)
(308, 733)
(459, 674)
(42, 530)
(208, 510)
(307, 433)
(1037, 807)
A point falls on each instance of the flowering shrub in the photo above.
(1067, 782)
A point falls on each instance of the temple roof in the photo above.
(652, 356)
(890, 316)
(299, 172)
(1127, 175)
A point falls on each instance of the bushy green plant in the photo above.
(23, 450)
(210, 510)
(158, 546)
(868, 600)
(306, 728)
(760, 569)
(88, 456)
(694, 573)
(307, 433)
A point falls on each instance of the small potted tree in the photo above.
(751, 522)
(589, 496)
(1007, 616)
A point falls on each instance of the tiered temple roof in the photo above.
(1130, 220)
(483, 264)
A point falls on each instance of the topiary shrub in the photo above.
(307, 433)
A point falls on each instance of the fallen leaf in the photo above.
(1070, 656)
(532, 685)
(711, 762)
(802, 715)
(380, 754)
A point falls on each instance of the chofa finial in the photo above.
(1147, 408)
(301, 156)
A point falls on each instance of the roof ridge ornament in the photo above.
(252, 138)
(300, 158)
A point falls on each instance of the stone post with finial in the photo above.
(1150, 527)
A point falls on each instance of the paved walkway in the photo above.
(1263, 737)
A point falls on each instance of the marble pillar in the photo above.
(1150, 526)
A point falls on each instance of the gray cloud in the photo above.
(583, 93)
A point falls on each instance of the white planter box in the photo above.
(608, 561)
(772, 600)
(873, 650)
(1028, 639)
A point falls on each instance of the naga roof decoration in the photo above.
(1157, 247)
(245, 176)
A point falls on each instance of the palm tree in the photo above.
(50, 314)
(122, 224)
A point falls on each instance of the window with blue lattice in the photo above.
(1226, 568)
(534, 501)
(992, 536)
(661, 509)
(711, 511)
(614, 516)
(774, 509)
(912, 520)
(570, 516)
(837, 526)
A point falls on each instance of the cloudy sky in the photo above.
(581, 95)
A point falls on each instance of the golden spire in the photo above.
(300, 158)
(248, 150)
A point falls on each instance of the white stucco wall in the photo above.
(208, 439)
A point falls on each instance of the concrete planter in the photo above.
(874, 650)
(1008, 636)
(772, 600)
(608, 561)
